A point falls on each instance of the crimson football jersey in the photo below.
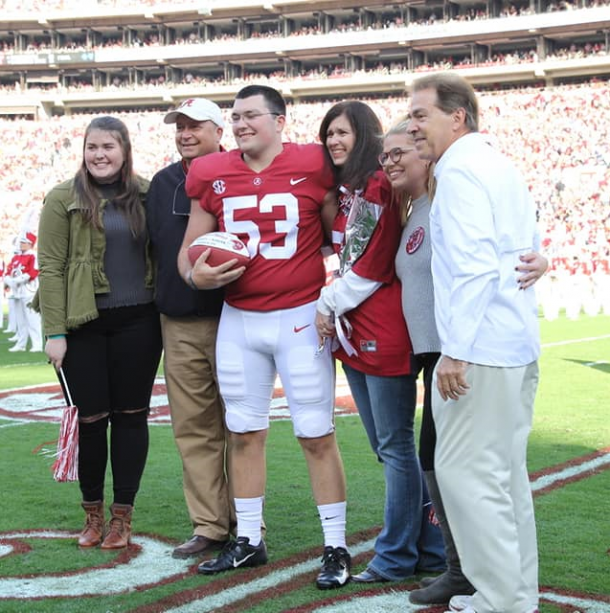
(379, 332)
(276, 213)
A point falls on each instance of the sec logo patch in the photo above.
(415, 240)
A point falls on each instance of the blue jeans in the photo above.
(408, 542)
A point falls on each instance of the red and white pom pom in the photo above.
(223, 247)
(65, 467)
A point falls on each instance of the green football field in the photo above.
(41, 569)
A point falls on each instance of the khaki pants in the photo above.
(197, 414)
(482, 475)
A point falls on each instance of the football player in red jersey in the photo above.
(278, 198)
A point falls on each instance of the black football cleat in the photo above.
(235, 554)
(336, 566)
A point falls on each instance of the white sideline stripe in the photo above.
(153, 565)
(575, 340)
(570, 471)
(16, 422)
(233, 594)
(24, 364)
(381, 603)
(398, 601)
(581, 604)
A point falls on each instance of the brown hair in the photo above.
(362, 162)
(86, 189)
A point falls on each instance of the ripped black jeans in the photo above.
(110, 367)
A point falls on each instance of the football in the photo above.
(223, 247)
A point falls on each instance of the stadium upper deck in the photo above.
(110, 53)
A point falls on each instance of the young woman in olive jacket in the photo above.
(101, 326)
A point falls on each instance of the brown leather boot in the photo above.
(93, 532)
(118, 533)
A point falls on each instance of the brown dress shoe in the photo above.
(118, 534)
(93, 532)
(197, 546)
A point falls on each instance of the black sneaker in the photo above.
(336, 566)
(235, 554)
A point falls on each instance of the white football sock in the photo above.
(333, 518)
(249, 512)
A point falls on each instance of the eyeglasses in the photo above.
(249, 116)
(394, 155)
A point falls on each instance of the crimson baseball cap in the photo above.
(28, 237)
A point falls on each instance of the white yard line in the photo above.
(154, 563)
(587, 339)
(570, 472)
(398, 601)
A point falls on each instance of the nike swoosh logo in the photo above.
(238, 563)
(299, 329)
(297, 181)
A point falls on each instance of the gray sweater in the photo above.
(413, 269)
(124, 263)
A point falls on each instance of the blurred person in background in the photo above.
(11, 326)
(22, 280)
(2, 289)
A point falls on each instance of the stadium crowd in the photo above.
(195, 35)
(526, 56)
(508, 9)
(559, 138)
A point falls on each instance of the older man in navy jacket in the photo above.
(189, 322)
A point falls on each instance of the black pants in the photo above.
(110, 367)
(427, 434)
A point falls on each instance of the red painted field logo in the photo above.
(45, 403)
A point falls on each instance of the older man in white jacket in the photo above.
(482, 218)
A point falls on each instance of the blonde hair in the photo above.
(405, 201)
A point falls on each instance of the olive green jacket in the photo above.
(71, 262)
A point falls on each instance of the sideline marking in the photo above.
(575, 340)
(149, 567)
(16, 422)
(154, 564)
(398, 601)
(579, 604)
(570, 472)
(243, 590)
(385, 602)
